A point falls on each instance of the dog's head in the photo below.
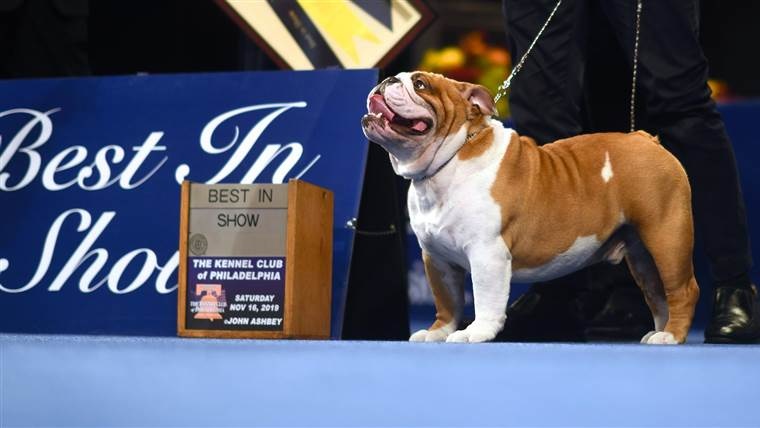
(421, 118)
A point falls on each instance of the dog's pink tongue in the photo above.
(377, 105)
(419, 126)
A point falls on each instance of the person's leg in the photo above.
(546, 102)
(546, 96)
(673, 76)
(624, 315)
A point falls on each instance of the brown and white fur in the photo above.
(485, 200)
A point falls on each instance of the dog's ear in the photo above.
(481, 98)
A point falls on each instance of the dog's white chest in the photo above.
(455, 212)
(439, 230)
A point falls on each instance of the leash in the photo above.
(635, 65)
(502, 89)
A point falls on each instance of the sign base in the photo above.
(255, 261)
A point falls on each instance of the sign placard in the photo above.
(242, 248)
(234, 293)
(91, 168)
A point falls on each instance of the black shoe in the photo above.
(625, 316)
(735, 316)
(544, 313)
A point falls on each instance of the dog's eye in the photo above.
(419, 84)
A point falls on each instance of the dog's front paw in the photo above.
(660, 338)
(437, 335)
(418, 336)
(476, 332)
(646, 337)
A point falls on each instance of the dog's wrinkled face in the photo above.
(412, 114)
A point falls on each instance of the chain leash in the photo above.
(502, 90)
(635, 65)
(354, 224)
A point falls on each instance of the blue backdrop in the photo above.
(89, 182)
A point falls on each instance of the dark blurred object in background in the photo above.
(168, 36)
(729, 34)
(79, 37)
(376, 305)
(43, 38)
(728, 31)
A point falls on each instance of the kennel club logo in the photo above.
(28, 159)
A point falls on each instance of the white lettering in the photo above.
(46, 129)
(60, 163)
(48, 248)
(165, 273)
(74, 156)
(69, 167)
(103, 168)
(85, 282)
(97, 257)
(150, 145)
(78, 256)
(267, 156)
(293, 150)
(118, 270)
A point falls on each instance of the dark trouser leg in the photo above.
(625, 315)
(546, 103)
(673, 78)
(546, 96)
(673, 74)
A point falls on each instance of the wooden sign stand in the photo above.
(307, 270)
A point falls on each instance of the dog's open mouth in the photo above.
(380, 109)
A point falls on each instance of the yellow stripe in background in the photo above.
(339, 23)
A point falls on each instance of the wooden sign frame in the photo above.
(308, 267)
(420, 6)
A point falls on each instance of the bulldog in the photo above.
(490, 202)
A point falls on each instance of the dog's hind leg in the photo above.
(447, 284)
(644, 272)
(670, 244)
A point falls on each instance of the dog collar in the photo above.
(471, 135)
(427, 174)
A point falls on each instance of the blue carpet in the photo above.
(127, 381)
